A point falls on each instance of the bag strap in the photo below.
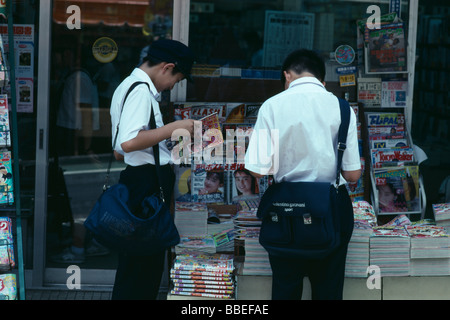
(152, 125)
(342, 135)
(134, 85)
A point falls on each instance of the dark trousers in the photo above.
(139, 277)
(326, 275)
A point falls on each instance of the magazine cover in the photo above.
(388, 143)
(182, 188)
(237, 137)
(5, 136)
(392, 157)
(211, 131)
(6, 178)
(393, 94)
(208, 183)
(369, 91)
(243, 186)
(390, 119)
(391, 192)
(386, 49)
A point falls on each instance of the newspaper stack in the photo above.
(7, 260)
(442, 215)
(389, 250)
(430, 250)
(191, 218)
(203, 275)
(8, 286)
(357, 260)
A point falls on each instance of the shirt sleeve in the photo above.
(262, 149)
(351, 159)
(135, 115)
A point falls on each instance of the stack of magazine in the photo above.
(357, 260)
(203, 275)
(395, 169)
(389, 250)
(442, 215)
(247, 226)
(430, 250)
(191, 218)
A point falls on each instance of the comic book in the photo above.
(6, 178)
(5, 134)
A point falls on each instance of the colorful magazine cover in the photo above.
(208, 183)
(386, 49)
(382, 158)
(242, 185)
(391, 192)
(5, 135)
(211, 131)
(6, 178)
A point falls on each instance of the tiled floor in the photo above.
(65, 294)
(59, 294)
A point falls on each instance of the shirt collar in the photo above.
(141, 75)
(306, 81)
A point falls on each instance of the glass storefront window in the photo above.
(241, 44)
(95, 45)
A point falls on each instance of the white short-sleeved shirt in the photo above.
(304, 122)
(135, 117)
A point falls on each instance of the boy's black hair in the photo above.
(304, 60)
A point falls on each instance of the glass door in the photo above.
(94, 46)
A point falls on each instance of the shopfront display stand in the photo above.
(16, 207)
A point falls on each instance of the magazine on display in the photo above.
(5, 133)
(385, 51)
(6, 178)
(394, 94)
(369, 92)
(208, 183)
(211, 132)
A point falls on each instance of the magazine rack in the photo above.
(420, 202)
(8, 208)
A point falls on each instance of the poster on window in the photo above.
(285, 32)
(24, 63)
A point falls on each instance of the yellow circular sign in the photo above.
(104, 50)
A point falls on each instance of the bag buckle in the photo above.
(274, 217)
(161, 194)
(307, 219)
(342, 146)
